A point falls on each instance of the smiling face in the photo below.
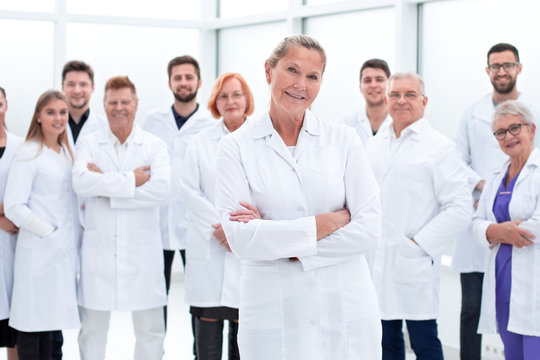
(405, 110)
(503, 81)
(53, 118)
(231, 102)
(373, 86)
(184, 82)
(294, 81)
(78, 88)
(120, 107)
(515, 145)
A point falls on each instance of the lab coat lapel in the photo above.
(532, 162)
(404, 149)
(310, 129)
(133, 156)
(108, 148)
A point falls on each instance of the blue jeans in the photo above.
(423, 336)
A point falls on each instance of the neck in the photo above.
(122, 134)
(3, 135)
(183, 108)
(499, 98)
(400, 126)
(517, 163)
(233, 125)
(288, 126)
(376, 115)
(76, 114)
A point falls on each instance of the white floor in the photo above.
(179, 340)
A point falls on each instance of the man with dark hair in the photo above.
(124, 173)
(480, 150)
(78, 86)
(176, 125)
(367, 122)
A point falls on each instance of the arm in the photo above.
(463, 146)
(154, 191)
(5, 223)
(89, 183)
(363, 232)
(455, 199)
(257, 239)
(202, 212)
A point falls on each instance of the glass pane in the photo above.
(347, 46)
(244, 50)
(28, 5)
(26, 68)
(170, 9)
(142, 53)
(454, 57)
(234, 8)
(317, 2)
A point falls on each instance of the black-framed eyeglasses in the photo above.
(507, 66)
(513, 129)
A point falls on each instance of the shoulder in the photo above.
(28, 150)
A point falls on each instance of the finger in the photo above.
(144, 168)
(248, 206)
(526, 234)
(241, 212)
(216, 226)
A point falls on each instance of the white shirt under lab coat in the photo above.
(359, 121)
(161, 122)
(480, 150)
(212, 273)
(324, 305)
(524, 317)
(425, 196)
(121, 253)
(7, 241)
(45, 268)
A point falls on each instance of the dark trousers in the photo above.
(471, 299)
(34, 345)
(57, 342)
(168, 257)
(422, 333)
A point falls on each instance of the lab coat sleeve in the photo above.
(480, 222)
(202, 212)
(258, 239)
(156, 190)
(363, 233)
(20, 179)
(463, 145)
(87, 183)
(455, 199)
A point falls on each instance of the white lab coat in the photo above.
(359, 121)
(323, 306)
(212, 273)
(121, 253)
(424, 196)
(525, 293)
(94, 123)
(161, 122)
(45, 270)
(481, 151)
(7, 241)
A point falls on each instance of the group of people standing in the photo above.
(302, 233)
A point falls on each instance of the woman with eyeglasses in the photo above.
(508, 222)
(212, 271)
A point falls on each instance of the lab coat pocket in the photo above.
(412, 264)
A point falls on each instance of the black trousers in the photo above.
(423, 335)
(471, 299)
(34, 345)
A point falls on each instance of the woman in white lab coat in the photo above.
(8, 233)
(40, 201)
(300, 206)
(508, 222)
(212, 271)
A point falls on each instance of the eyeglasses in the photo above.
(513, 129)
(233, 96)
(507, 66)
(408, 96)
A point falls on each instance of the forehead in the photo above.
(55, 103)
(183, 69)
(309, 58)
(502, 57)
(119, 94)
(507, 120)
(373, 72)
(77, 76)
(405, 84)
(232, 84)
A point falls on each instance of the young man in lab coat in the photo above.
(481, 151)
(367, 122)
(124, 173)
(426, 202)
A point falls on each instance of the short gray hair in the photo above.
(515, 108)
(287, 43)
(405, 75)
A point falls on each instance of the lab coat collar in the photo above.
(413, 131)
(136, 136)
(263, 127)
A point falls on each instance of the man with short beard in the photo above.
(176, 125)
(481, 152)
(374, 118)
